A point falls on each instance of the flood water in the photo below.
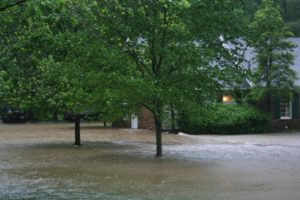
(38, 161)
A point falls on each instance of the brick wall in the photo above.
(146, 119)
(285, 124)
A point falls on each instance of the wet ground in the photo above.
(38, 161)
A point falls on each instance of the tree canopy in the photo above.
(178, 48)
(116, 56)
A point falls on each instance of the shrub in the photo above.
(225, 119)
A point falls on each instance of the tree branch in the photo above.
(163, 39)
(12, 5)
(149, 108)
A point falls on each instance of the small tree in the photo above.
(274, 53)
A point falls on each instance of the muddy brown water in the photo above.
(38, 161)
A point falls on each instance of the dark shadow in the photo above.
(97, 145)
(89, 127)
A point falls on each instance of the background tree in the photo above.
(274, 53)
(291, 14)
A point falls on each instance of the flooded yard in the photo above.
(38, 161)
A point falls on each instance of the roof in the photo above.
(250, 61)
(296, 66)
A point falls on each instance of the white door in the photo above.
(134, 121)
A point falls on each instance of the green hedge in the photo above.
(225, 119)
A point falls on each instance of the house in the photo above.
(286, 113)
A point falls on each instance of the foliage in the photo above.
(113, 57)
(175, 47)
(53, 65)
(291, 14)
(225, 119)
(289, 10)
(27, 40)
(6, 4)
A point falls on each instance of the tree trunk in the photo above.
(269, 102)
(173, 124)
(77, 130)
(55, 116)
(30, 116)
(158, 136)
(158, 140)
(269, 64)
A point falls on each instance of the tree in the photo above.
(274, 53)
(117, 56)
(177, 48)
(33, 45)
(53, 65)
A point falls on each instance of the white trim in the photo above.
(285, 118)
(290, 112)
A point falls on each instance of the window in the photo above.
(228, 99)
(286, 110)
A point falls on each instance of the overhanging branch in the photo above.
(12, 5)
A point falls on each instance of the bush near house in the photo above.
(225, 119)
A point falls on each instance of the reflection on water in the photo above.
(38, 161)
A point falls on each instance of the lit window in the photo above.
(285, 110)
(228, 99)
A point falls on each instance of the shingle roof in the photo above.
(250, 55)
(296, 66)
